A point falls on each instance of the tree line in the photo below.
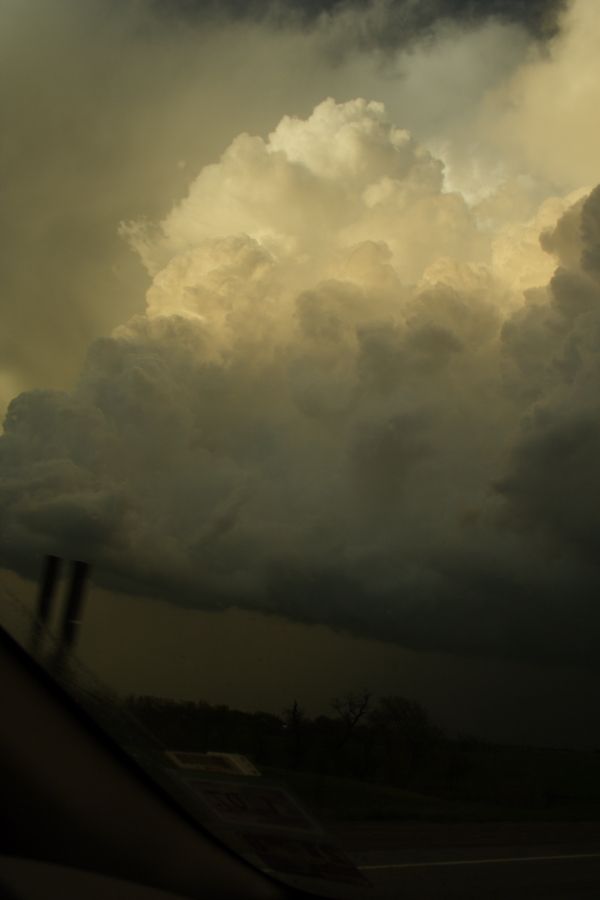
(390, 739)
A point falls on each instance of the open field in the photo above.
(497, 784)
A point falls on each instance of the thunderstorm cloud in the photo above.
(364, 390)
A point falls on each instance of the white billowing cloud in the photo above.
(124, 104)
(354, 398)
(342, 176)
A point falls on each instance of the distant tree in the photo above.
(267, 732)
(407, 732)
(350, 708)
(294, 716)
(295, 722)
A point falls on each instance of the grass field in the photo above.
(498, 784)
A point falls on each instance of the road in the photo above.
(489, 861)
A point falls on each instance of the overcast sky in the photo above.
(300, 316)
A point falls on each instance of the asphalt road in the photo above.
(499, 861)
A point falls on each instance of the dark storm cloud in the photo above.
(389, 24)
(329, 410)
(336, 403)
(590, 233)
(554, 479)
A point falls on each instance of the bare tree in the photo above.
(406, 728)
(350, 708)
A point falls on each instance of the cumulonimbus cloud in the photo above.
(351, 400)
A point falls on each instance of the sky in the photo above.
(300, 325)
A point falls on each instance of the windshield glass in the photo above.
(300, 383)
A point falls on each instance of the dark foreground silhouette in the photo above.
(385, 760)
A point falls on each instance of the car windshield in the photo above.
(300, 384)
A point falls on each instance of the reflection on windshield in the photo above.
(363, 770)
